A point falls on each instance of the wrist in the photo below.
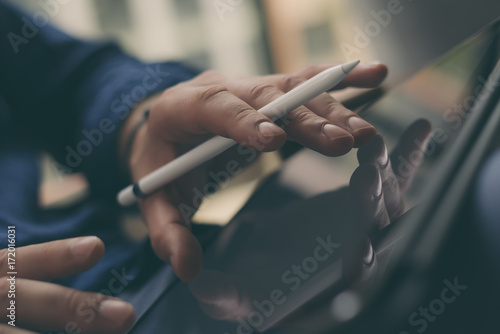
(134, 124)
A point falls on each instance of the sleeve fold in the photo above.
(72, 96)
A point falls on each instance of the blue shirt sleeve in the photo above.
(71, 96)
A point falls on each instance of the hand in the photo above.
(192, 111)
(379, 182)
(255, 251)
(43, 306)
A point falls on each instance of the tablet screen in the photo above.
(444, 95)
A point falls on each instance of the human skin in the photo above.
(212, 104)
(44, 306)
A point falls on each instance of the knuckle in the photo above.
(208, 94)
(240, 111)
(291, 81)
(241, 115)
(333, 105)
(74, 300)
(339, 113)
(301, 115)
(259, 90)
(343, 112)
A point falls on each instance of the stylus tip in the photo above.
(348, 67)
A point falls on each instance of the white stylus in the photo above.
(301, 94)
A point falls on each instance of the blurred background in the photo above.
(246, 37)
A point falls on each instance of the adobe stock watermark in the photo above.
(457, 113)
(121, 106)
(11, 275)
(223, 7)
(292, 278)
(39, 19)
(426, 315)
(363, 36)
(88, 309)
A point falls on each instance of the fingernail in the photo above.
(384, 159)
(368, 253)
(82, 246)
(356, 123)
(269, 129)
(377, 188)
(114, 310)
(333, 131)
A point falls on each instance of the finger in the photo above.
(55, 259)
(212, 109)
(45, 306)
(368, 198)
(13, 330)
(408, 154)
(171, 238)
(359, 263)
(326, 106)
(375, 152)
(302, 125)
(218, 296)
(363, 76)
(317, 133)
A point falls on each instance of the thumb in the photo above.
(171, 237)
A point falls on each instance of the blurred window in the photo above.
(187, 8)
(113, 15)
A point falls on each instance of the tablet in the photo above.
(283, 263)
